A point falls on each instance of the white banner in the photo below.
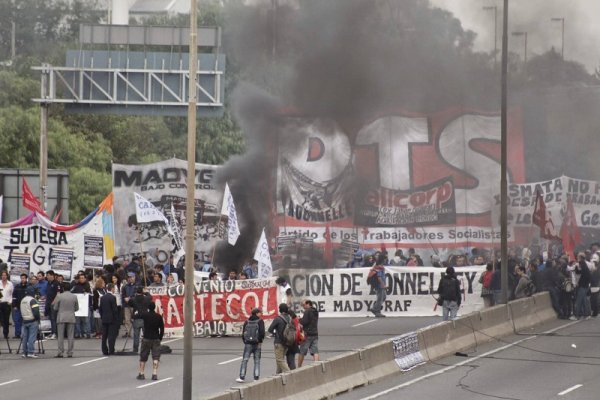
(146, 212)
(163, 184)
(38, 240)
(265, 269)
(228, 209)
(344, 292)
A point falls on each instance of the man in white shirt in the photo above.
(6, 296)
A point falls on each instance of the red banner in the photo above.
(219, 307)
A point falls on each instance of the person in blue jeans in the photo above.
(30, 311)
(253, 334)
(582, 302)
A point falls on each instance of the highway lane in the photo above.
(559, 360)
(216, 363)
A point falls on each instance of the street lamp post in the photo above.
(524, 34)
(562, 41)
(495, 10)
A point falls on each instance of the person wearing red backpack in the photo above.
(486, 292)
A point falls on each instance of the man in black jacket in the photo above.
(52, 291)
(154, 329)
(109, 313)
(582, 303)
(310, 324)
(253, 334)
(18, 295)
(139, 304)
(449, 292)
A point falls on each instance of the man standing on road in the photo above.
(30, 311)
(18, 294)
(154, 329)
(253, 333)
(128, 291)
(449, 292)
(109, 314)
(65, 305)
(276, 328)
(310, 324)
(139, 304)
(378, 270)
(52, 290)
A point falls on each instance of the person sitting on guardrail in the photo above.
(449, 292)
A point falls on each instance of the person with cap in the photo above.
(30, 312)
(154, 329)
(253, 334)
(449, 292)
(127, 293)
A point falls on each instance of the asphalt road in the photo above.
(559, 360)
(216, 361)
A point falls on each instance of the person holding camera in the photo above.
(30, 312)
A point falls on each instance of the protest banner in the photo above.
(61, 261)
(164, 185)
(93, 252)
(220, 307)
(83, 300)
(411, 291)
(19, 264)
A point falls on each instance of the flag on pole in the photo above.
(176, 229)
(541, 217)
(30, 201)
(228, 209)
(569, 231)
(145, 211)
(177, 239)
(265, 269)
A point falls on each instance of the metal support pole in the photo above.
(188, 327)
(44, 105)
(503, 156)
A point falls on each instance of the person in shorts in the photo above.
(154, 329)
(310, 324)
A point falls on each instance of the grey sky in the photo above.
(582, 25)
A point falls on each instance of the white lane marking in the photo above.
(230, 361)
(90, 361)
(9, 382)
(460, 364)
(364, 323)
(170, 341)
(155, 382)
(569, 390)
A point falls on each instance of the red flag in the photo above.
(57, 216)
(541, 218)
(569, 231)
(30, 201)
(328, 250)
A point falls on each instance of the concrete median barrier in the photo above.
(374, 362)
(543, 307)
(447, 338)
(491, 323)
(378, 360)
(523, 314)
